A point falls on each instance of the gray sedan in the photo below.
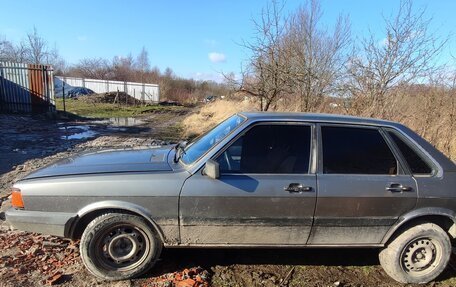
(257, 179)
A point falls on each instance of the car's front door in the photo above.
(362, 187)
(265, 194)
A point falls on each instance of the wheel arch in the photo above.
(93, 210)
(443, 217)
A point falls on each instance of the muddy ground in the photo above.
(27, 143)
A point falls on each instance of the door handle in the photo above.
(297, 188)
(397, 187)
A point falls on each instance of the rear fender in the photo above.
(421, 213)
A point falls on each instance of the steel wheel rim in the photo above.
(122, 247)
(421, 256)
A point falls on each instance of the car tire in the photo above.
(117, 246)
(418, 255)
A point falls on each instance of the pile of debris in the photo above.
(79, 91)
(31, 253)
(193, 277)
(121, 98)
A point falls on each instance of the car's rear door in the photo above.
(265, 194)
(362, 186)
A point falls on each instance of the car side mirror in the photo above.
(212, 169)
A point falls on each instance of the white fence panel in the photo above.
(145, 92)
(74, 82)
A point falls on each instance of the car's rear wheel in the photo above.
(418, 255)
(116, 246)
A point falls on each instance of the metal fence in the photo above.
(146, 93)
(26, 88)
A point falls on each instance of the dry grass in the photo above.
(426, 113)
(213, 113)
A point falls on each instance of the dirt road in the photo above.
(26, 259)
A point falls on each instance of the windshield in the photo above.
(195, 150)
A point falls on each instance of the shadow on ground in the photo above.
(299, 267)
(280, 256)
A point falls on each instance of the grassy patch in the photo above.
(106, 110)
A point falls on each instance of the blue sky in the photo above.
(196, 39)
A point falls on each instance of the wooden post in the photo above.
(117, 96)
(63, 95)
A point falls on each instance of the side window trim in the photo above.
(403, 168)
(319, 161)
(312, 151)
(415, 147)
(319, 149)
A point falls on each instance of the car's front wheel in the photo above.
(418, 255)
(116, 246)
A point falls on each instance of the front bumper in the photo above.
(52, 223)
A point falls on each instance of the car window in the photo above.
(352, 150)
(201, 145)
(269, 149)
(415, 162)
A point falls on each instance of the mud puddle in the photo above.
(94, 128)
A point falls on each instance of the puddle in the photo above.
(77, 132)
(69, 128)
(80, 136)
(121, 122)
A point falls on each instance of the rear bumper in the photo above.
(53, 223)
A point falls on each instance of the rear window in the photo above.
(415, 162)
(352, 150)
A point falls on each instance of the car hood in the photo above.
(109, 161)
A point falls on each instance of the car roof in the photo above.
(328, 118)
(428, 148)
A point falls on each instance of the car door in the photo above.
(265, 194)
(362, 186)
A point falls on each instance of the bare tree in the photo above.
(123, 68)
(294, 57)
(12, 53)
(318, 56)
(406, 54)
(33, 50)
(166, 82)
(5, 49)
(38, 50)
(94, 68)
(142, 63)
(267, 75)
(37, 47)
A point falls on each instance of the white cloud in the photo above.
(215, 57)
(82, 38)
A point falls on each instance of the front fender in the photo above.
(422, 212)
(119, 205)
